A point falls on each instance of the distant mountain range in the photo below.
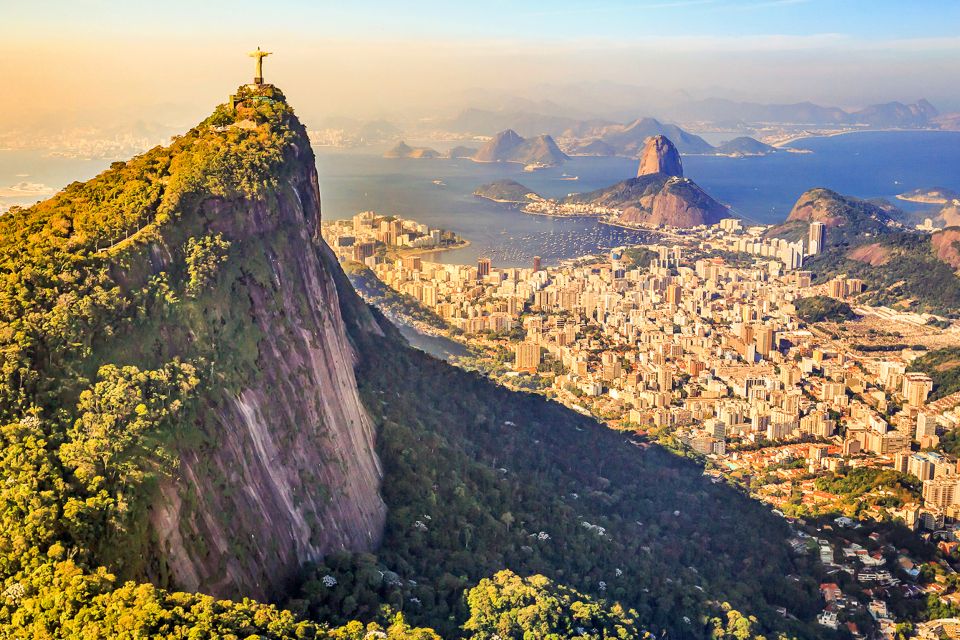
(629, 139)
(713, 111)
(488, 122)
(720, 110)
(599, 137)
(618, 139)
(506, 146)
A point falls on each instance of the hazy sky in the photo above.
(95, 61)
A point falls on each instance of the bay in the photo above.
(762, 189)
(874, 164)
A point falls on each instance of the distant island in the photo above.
(933, 195)
(744, 146)
(461, 152)
(509, 146)
(658, 197)
(539, 152)
(505, 191)
(403, 150)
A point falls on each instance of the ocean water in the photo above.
(350, 183)
(865, 164)
(40, 174)
(761, 189)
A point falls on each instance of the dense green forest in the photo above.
(101, 362)
(118, 314)
(909, 271)
(912, 272)
(480, 479)
(861, 480)
(943, 365)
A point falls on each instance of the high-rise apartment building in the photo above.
(818, 238)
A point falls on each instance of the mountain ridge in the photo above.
(864, 241)
(184, 358)
(659, 195)
(509, 146)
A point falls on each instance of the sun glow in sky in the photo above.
(107, 59)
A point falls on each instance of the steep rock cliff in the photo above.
(292, 473)
(660, 156)
(178, 402)
(509, 146)
(657, 199)
(175, 326)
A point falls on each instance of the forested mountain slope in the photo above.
(193, 398)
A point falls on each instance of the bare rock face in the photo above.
(509, 146)
(660, 156)
(945, 245)
(289, 471)
(950, 215)
(678, 203)
(819, 205)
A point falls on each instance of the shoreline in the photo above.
(936, 202)
(834, 134)
(660, 231)
(560, 215)
(463, 244)
(489, 199)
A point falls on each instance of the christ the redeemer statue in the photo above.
(259, 55)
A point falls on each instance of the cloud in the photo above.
(25, 190)
(596, 9)
(764, 4)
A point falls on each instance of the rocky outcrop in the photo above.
(834, 209)
(660, 156)
(949, 216)
(946, 246)
(679, 203)
(509, 146)
(403, 150)
(657, 200)
(947, 121)
(851, 221)
(874, 254)
(287, 471)
(659, 195)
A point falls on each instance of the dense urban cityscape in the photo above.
(707, 344)
(439, 320)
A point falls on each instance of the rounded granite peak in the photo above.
(660, 156)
